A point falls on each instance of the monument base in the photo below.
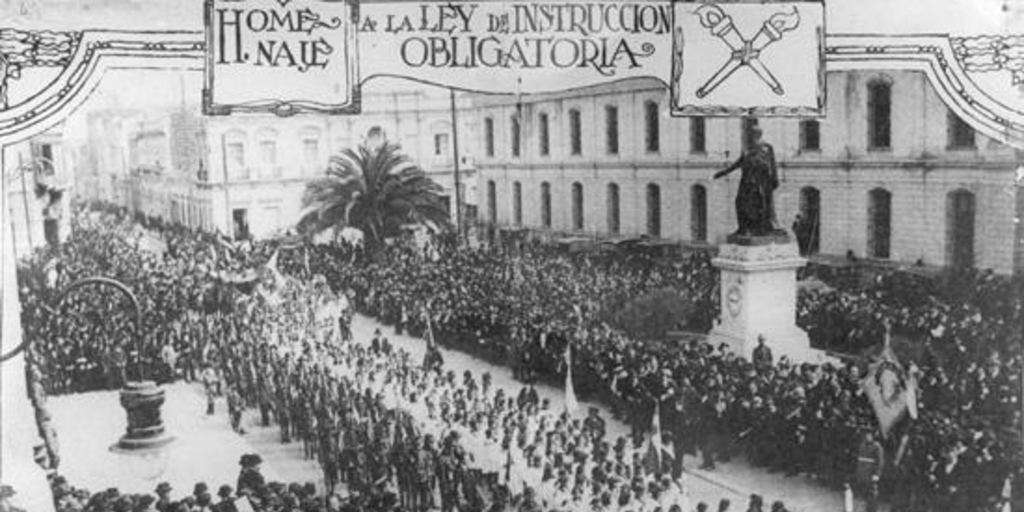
(758, 298)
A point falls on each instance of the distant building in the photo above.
(244, 175)
(103, 157)
(890, 175)
(38, 191)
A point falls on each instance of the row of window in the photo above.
(960, 135)
(235, 155)
(698, 207)
(806, 226)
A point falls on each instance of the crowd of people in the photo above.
(272, 355)
(529, 306)
(798, 418)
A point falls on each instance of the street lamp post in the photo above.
(141, 398)
(455, 161)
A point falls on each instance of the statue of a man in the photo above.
(755, 212)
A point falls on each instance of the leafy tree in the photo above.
(377, 190)
(652, 316)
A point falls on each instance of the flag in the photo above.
(272, 267)
(508, 466)
(656, 449)
(684, 492)
(243, 504)
(432, 357)
(889, 388)
(571, 405)
(1007, 494)
(430, 330)
(912, 391)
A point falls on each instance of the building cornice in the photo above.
(713, 163)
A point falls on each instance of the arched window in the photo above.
(698, 140)
(699, 213)
(808, 231)
(515, 135)
(517, 203)
(960, 213)
(267, 141)
(545, 204)
(492, 202)
(959, 134)
(810, 135)
(879, 114)
(611, 129)
(310, 148)
(489, 136)
(577, 206)
(575, 132)
(234, 155)
(749, 125)
(652, 127)
(544, 129)
(879, 223)
(612, 200)
(653, 210)
(375, 136)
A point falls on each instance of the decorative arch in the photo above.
(946, 62)
(95, 53)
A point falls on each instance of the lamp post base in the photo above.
(142, 401)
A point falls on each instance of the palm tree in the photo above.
(376, 190)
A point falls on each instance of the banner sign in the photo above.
(749, 59)
(509, 47)
(289, 56)
(281, 56)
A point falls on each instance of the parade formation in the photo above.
(266, 326)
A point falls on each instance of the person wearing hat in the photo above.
(250, 477)
(756, 503)
(226, 503)
(163, 492)
(6, 493)
(375, 342)
(594, 424)
(762, 355)
(146, 504)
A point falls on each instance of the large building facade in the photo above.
(244, 175)
(888, 174)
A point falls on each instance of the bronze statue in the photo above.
(755, 212)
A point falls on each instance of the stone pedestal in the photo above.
(142, 401)
(758, 297)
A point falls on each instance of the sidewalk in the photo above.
(206, 449)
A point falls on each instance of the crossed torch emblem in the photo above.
(745, 52)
